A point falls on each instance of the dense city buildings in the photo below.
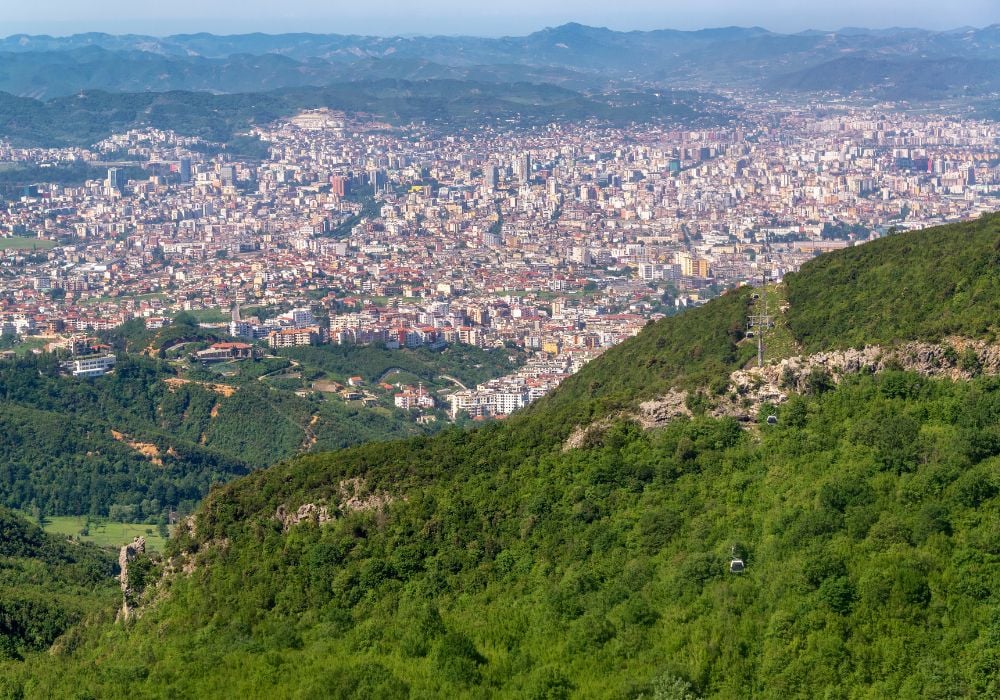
(561, 240)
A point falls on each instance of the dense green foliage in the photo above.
(133, 335)
(468, 364)
(46, 585)
(925, 284)
(73, 447)
(60, 455)
(867, 519)
(695, 349)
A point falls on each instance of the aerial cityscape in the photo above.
(562, 241)
(460, 351)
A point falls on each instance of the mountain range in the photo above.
(86, 117)
(894, 61)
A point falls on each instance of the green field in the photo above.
(23, 347)
(104, 533)
(18, 243)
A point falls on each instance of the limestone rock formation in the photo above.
(126, 556)
(750, 389)
(350, 497)
(307, 511)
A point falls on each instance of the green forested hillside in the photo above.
(60, 453)
(88, 116)
(502, 563)
(142, 440)
(696, 349)
(921, 285)
(46, 585)
(925, 284)
(867, 519)
(155, 434)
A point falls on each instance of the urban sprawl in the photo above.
(562, 241)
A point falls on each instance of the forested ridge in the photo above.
(46, 585)
(155, 434)
(142, 441)
(502, 563)
(88, 116)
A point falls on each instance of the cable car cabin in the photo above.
(750, 334)
(772, 420)
(736, 566)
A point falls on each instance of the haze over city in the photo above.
(449, 17)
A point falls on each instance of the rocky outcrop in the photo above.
(749, 390)
(956, 358)
(581, 433)
(126, 556)
(308, 511)
(350, 497)
(351, 493)
(664, 409)
(652, 414)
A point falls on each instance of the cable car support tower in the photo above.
(762, 320)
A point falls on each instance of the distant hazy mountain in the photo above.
(86, 117)
(58, 73)
(897, 79)
(572, 55)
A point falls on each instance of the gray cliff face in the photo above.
(126, 556)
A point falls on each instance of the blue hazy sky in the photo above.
(478, 17)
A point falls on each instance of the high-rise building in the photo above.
(302, 318)
(522, 168)
(116, 179)
(581, 255)
(338, 185)
(377, 179)
(184, 169)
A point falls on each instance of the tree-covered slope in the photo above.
(89, 116)
(867, 519)
(46, 585)
(501, 563)
(115, 445)
(920, 285)
(155, 434)
(143, 441)
(694, 349)
(924, 284)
